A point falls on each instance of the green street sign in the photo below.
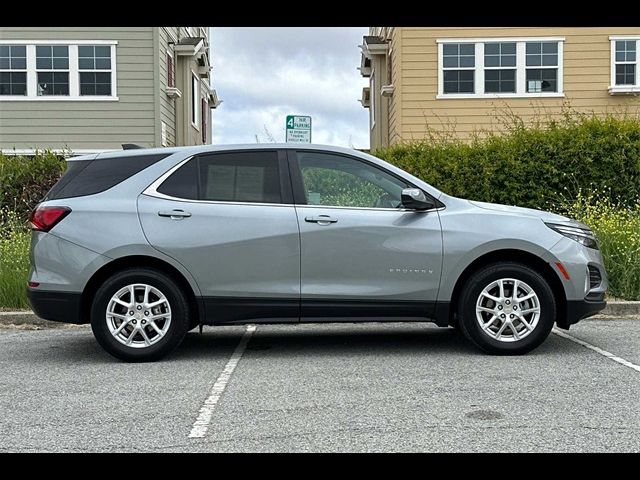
(298, 129)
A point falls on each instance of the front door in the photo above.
(362, 253)
(228, 218)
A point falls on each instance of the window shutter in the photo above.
(203, 116)
(170, 80)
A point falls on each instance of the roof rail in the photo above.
(130, 146)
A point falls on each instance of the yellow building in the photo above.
(465, 80)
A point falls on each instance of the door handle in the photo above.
(321, 220)
(175, 214)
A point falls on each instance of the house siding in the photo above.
(395, 101)
(92, 124)
(185, 132)
(414, 108)
(167, 104)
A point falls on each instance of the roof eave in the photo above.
(190, 50)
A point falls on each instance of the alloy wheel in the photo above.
(138, 315)
(508, 310)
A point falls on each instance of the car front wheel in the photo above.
(139, 315)
(506, 308)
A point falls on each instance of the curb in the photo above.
(617, 308)
(26, 317)
(614, 310)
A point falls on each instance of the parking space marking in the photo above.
(201, 425)
(599, 350)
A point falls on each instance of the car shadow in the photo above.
(325, 340)
(81, 348)
(282, 341)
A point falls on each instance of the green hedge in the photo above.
(25, 180)
(532, 166)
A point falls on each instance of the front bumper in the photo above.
(580, 309)
(56, 306)
(583, 299)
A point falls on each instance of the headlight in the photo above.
(583, 236)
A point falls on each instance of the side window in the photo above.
(339, 181)
(183, 183)
(240, 177)
(252, 177)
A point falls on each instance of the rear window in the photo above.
(72, 171)
(88, 177)
(252, 177)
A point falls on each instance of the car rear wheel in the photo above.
(506, 308)
(139, 315)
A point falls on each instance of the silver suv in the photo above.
(148, 244)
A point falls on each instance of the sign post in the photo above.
(298, 129)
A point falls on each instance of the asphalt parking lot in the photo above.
(339, 387)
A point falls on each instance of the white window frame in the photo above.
(18, 70)
(372, 102)
(195, 100)
(613, 88)
(173, 73)
(459, 68)
(500, 67)
(521, 68)
(74, 74)
(50, 70)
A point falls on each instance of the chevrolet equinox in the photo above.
(148, 244)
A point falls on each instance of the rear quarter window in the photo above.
(183, 183)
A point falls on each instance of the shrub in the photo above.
(530, 166)
(14, 260)
(618, 230)
(25, 180)
(23, 183)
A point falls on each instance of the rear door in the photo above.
(228, 218)
(362, 254)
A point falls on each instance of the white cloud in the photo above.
(263, 74)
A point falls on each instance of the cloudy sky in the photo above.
(263, 74)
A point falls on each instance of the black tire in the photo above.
(466, 308)
(180, 315)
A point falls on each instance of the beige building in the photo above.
(91, 89)
(464, 80)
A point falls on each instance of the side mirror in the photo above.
(416, 199)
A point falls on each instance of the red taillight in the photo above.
(44, 219)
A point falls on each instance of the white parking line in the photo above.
(201, 425)
(602, 352)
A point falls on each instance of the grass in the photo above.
(14, 261)
(618, 231)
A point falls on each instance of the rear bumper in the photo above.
(579, 309)
(55, 306)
